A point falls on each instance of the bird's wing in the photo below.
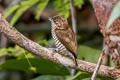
(67, 38)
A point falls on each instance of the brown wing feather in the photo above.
(67, 37)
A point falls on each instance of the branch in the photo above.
(15, 36)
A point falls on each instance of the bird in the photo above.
(64, 37)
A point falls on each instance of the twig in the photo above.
(106, 56)
(15, 36)
(104, 51)
(97, 67)
(73, 15)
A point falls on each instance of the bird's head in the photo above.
(58, 22)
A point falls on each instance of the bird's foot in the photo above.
(54, 49)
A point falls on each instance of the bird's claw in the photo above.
(54, 49)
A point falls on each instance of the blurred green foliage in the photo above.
(20, 62)
(78, 76)
(42, 66)
(49, 70)
(23, 6)
(63, 6)
(40, 7)
(50, 77)
(86, 53)
(85, 76)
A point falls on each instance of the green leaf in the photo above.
(11, 50)
(22, 55)
(23, 7)
(10, 11)
(86, 76)
(40, 65)
(63, 7)
(3, 52)
(79, 76)
(78, 3)
(50, 77)
(86, 53)
(114, 15)
(40, 7)
(76, 75)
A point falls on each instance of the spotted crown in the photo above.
(58, 22)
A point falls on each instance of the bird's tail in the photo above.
(75, 59)
(73, 71)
